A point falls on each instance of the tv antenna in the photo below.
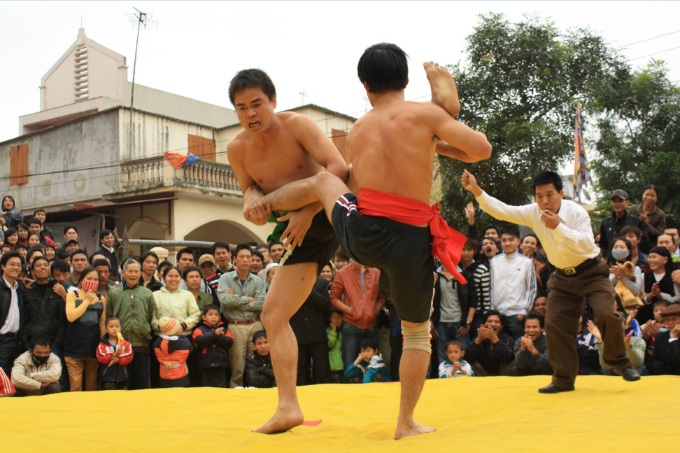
(303, 94)
(139, 19)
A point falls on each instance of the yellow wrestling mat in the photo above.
(471, 415)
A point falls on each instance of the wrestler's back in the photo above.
(277, 157)
(391, 149)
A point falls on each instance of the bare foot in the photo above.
(413, 430)
(444, 91)
(282, 421)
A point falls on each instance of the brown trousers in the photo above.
(76, 366)
(565, 306)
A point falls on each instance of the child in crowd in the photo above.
(259, 371)
(214, 341)
(114, 353)
(653, 327)
(454, 365)
(369, 366)
(334, 335)
(172, 351)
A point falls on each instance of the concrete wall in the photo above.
(72, 163)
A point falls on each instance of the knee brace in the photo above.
(417, 337)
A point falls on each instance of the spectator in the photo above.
(674, 232)
(37, 371)
(653, 217)
(454, 365)
(104, 270)
(328, 272)
(454, 309)
(355, 294)
(133, 304)
(85, 312)
(513, 283)
(242, 297)
(33, 240)
(334, 336)
(222, 254)
(610, 227)
(491, 352)
(667, 240)
(309, 327)
(192, 277)
(666, 358)
(529, 248)
(627, 279)
(257, 262)
(213, 343)
(149, 262)
(11, 238)
(22, 230)
(586, 348)
(206, 264)
(50, 253)
(264, 250)
(174, 302)
(276, 251)
(114, 354)
(652, 328)
(46, 234)
(540, 306)
(70, 233)
(172, 350)
(634, 236)
(531, 350)
(340, 259)
(258, 370)
(107, 243)
(481, 281)
(269, 273)
(71, 245)
(489, 250)
(13, 217)
(368, 366)
(658, 282)
(44, 311)
(79, 263)
(11, 309)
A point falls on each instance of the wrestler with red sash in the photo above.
(390, 225)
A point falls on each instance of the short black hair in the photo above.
(274, 243)
(34, 221)
(630, 229)
(110, 318)
(101, 262)
(547, 177)
(251, 78)
(369, 342)
(190, 269)
(492, 226)
(86, 271)
(243, 247)
(38, 258)
(219, 244)
(168, 269)
(258, 254)
(471, 243)
(104, 233)
(541, 319)
(494, 313)
(185, 251)
(79, 252)
(148, 254)
(383, 67)
(40, 340)
(209, 307)
(68, 227)
(60, 265)
(259, 334)
(512, 230)
(455, 343)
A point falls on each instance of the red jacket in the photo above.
(347, 288)
(172, 356)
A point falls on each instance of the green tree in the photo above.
(639, 137)
(519, 85)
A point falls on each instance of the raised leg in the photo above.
(444, 91)
(289, 290)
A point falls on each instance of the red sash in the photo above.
(447, 243)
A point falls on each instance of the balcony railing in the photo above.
(155, 172)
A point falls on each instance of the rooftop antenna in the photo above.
(139, 19)
(302, 96)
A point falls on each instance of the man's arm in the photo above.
(462, 142)
(319, 147)
(251, 192)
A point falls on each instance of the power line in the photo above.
(648, 39)
(655, 53)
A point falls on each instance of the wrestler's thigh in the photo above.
(289, 289)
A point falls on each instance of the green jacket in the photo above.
(134, 307)
(335, 349)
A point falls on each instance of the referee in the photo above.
(564, 229)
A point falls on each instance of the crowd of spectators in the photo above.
(73, 320)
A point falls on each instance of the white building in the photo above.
(88, 153)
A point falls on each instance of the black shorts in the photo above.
(318, 246)
(402, 252)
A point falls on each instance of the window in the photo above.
(203, 148)
(18, 165)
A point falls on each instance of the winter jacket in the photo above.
(134, 307)
(213, 348)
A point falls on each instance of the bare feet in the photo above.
(413, 430)
(282, 421)
(444, 91)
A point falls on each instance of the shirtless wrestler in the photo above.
(390, 224)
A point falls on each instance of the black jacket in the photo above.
(113, 259)
(44, 315)
(6, 300)
(213, 348)
(466, 298)
(259, 372)
(666, 358)
(609, 231)
(309, 322)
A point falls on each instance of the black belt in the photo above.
(584, 266)
(9, 335)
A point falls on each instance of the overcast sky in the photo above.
(195, 48)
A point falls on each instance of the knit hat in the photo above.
(169, 326)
